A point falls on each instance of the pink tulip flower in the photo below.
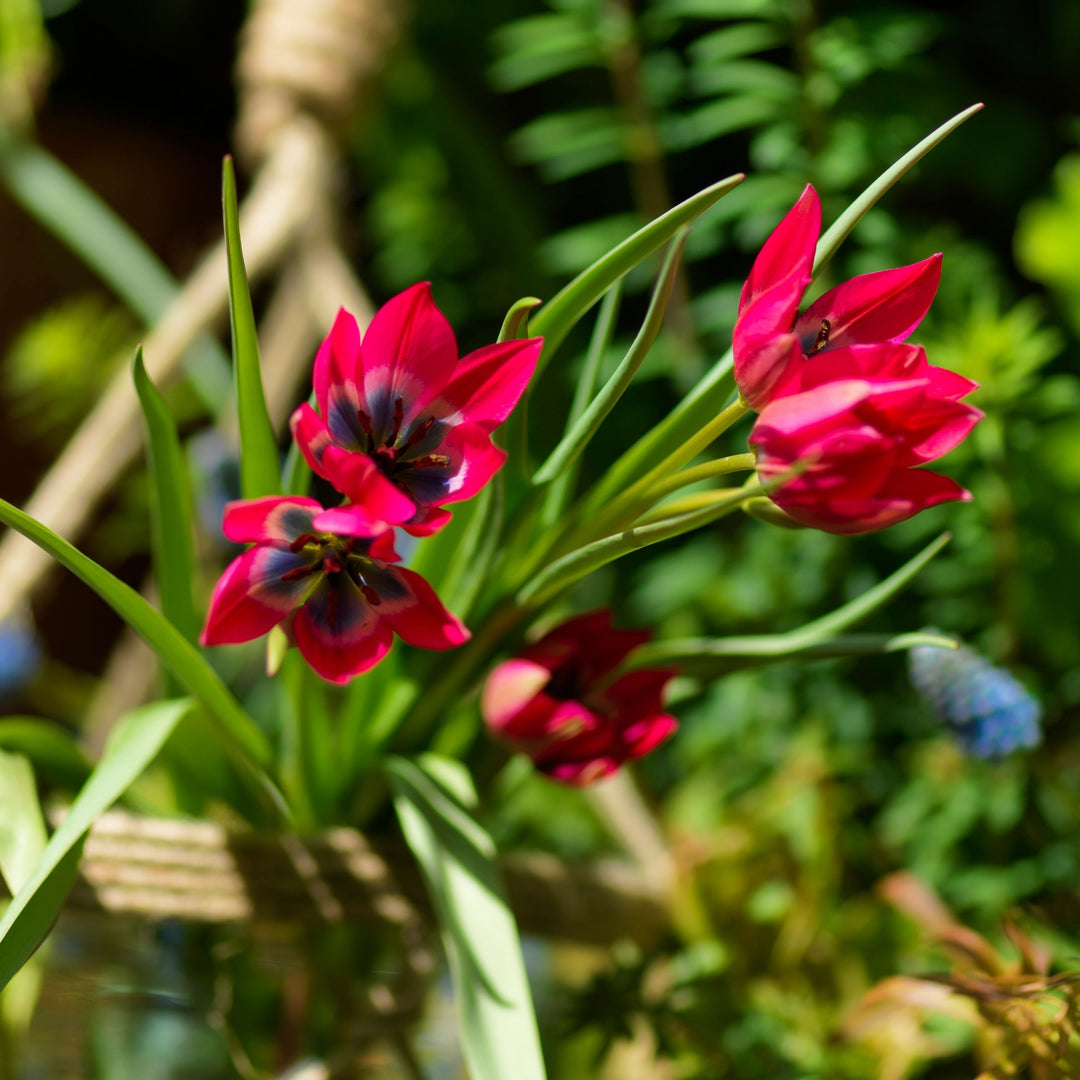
(774, 345)
(403, 425)
(850, 442)
(334, 591)
(556, 703)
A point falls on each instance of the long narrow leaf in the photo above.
(711, 392)
(259, 469)
(558, 495)
(22, 825)
(176, 652)
(51, 749)
(708, 658)
(821, 637)
(170, 507)
(841, 228)
(64, 205)
(457, 857)
(586, 426)
(134, 743)
(584, 560)
(557, 317)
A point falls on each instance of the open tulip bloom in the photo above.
(555, 702)
(337, 595)
(774, 346)
(403, 425)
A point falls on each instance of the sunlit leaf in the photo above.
(133, 744)
(458, 860)
(259, 469)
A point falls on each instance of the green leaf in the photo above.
(559, 315)
(259, 468)
(52, 750)
(558, 495)
(840, 229)
(708, 658)
(586, 426)
(458, 861)
(516, 323)
(134, 742)
(820, 637)
(170, 507)
(65, 206)
(584, 560)
(22, 826)
(176, 652)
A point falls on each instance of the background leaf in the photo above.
(457, 858)
(134, 742)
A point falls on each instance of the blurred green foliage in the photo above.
(513, 142)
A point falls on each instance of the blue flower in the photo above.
(20, 656)
(989, 711)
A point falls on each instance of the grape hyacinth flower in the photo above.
(773, 345)
(20, 656)
(329, 581)
(555, 701)
(988, 710)
(846, 448)
(403, 425)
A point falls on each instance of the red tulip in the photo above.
(774, 345)
(850, 442)
(328, 581)
(404, 425)
(554, 701)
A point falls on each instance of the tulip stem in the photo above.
(706, 471)
(628, 505)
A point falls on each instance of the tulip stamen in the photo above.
(822, 337)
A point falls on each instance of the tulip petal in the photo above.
(251, 596)
(358, 478)
(420, 618)
(884, 306)
(338, 381)
(338, 632)
(486, 385)
(509, 688)
(788, 254)
(409, 352)
(352, 519)
(766, 367)
(311, 434)
(275, 518)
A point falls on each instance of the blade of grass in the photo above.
(260, 472)
(458, 861)
(134, 743)
(170, 507)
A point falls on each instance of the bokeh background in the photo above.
(497, 148)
